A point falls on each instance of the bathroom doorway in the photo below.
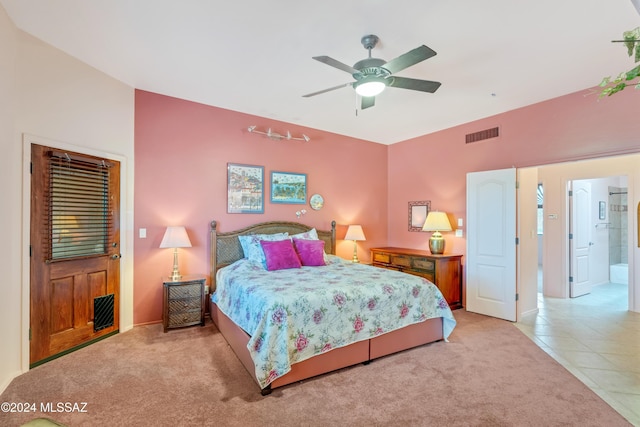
(604, 236)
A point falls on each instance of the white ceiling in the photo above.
(254, 56)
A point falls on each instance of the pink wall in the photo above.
(434, 167)
(181, 153)
(182, 150)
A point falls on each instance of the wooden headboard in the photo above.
(226, 249)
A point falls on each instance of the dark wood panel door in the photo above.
(64, 287)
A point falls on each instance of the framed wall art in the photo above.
(418, 214)
(288, 187)
(245, 188)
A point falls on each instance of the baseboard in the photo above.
(530, 312)
(6, 382)
(153, 322)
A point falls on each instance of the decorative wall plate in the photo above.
(316, 202)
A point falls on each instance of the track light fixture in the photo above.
(278, 137)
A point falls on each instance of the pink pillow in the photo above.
(280, 254)
(311, 252)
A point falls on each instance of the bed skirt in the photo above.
(358, 352)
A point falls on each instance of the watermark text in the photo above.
(46, 407)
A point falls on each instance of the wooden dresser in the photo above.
(445, 271)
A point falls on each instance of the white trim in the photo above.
(531, 312)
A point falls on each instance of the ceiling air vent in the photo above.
(482, 135)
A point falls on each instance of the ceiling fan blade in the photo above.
(414, 84)
(336, 64)
(327, 90)
(410, 58)
(367, 101)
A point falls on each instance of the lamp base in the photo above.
(175, 274)
(355, 253)
(436, 243)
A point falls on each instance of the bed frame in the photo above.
(226, 249)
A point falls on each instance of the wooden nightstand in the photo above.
(444, 271)
(184, 302)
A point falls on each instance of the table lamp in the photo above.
(175, 237)
(436, 222)
(355, 233)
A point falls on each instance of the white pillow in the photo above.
(252, 248)
(307, 235)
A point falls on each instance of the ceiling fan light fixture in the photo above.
(370, 86)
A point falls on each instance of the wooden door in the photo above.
(491, 243)
(75, 251)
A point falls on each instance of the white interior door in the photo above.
(491, 243)
(580, 242)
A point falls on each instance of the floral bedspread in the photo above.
(294, 314)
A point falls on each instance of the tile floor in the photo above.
(597, 339)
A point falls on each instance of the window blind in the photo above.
(78, 212)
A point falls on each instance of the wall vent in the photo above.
(103, 310)
(482, 135)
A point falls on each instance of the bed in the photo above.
(289, 324)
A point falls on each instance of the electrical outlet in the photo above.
(142, 233)
(458, 233)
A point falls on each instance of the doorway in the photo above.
(601, 236)
(605, 220)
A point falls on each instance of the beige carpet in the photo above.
(489, 374)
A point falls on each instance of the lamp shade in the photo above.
(437, 221)
(354, 232)
(175, 237)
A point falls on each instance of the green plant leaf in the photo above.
(633, 73)
(631, 42)
(618, 87)
(611, 86)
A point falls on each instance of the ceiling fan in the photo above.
(373, 75)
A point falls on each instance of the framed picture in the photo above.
(602, 210)
(287, 187)
(418, 214)
(245, 188)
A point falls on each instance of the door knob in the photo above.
(115, 256)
